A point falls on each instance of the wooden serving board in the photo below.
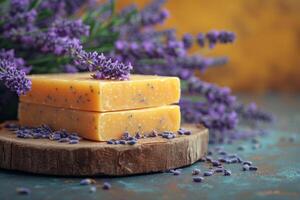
(42, 156)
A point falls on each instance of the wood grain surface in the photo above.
(42, 156)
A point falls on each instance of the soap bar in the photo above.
(81, 92)
(101, 126)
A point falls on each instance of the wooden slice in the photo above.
(42, 156)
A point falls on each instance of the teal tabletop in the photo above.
(277, 158)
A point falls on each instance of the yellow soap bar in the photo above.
(101, 126)
(81, 92)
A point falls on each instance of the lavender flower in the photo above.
(13, 78)
(69, 28)
(201, 39)
(187, 40)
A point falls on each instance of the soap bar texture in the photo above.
(81, 92)
(101, 126)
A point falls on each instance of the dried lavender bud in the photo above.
(215, 163)
(64, 140)
(196, 172)
(201, 39)
(233, 160)
(227, 172)
(232, 155)
(219, 170)
(125, 136)
(239, 160)
(203, 159)
(209, 158)
(138, 136)
(23, 190)
(222, 153)
(253, 168)
(110, 142)
(222, 160)
(176, 172)
(198, 179)
(246, 167)
(122, 142)
(131, 142)
(87, 181)
(11, 126)
(73, 141)
(208, 173)
(106, 186)
(117, 142)
(247, 163)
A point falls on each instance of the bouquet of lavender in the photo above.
(51, 36)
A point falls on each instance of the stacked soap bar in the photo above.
(100, 109)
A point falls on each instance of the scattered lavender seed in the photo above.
(227, 172)
(247, 163)
(23, 190)
(198, 179)
(196, 172)
(93, 189)
(253, 168)
(208, 173)
(117, 142)
(106, 186)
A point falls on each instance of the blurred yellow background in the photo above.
(266, 53)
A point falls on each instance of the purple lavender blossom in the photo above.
(69, 28)
(187, 40)
(13, 78)
(201, 39)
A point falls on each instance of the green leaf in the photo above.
(34, 4)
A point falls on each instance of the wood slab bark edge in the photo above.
(42, 156)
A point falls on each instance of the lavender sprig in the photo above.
(13, 78)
